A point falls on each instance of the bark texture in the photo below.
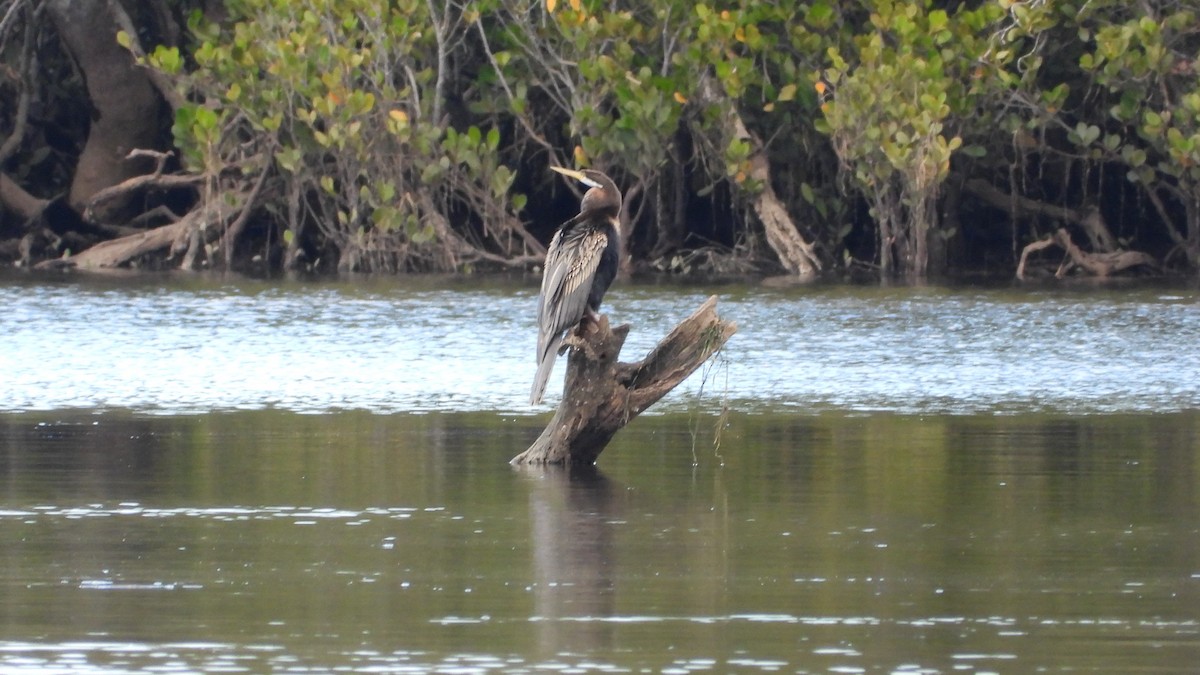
(125, 104)
(601, 394)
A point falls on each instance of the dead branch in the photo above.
(160, 211)
(130, 185)
(1089, 219)
(1099, 264)
(1032, 248)
(201, 224)
(17, 199)
(796, 254)
(229, 240)
(116, 252)
(601, 395)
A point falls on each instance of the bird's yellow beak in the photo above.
(577, 175)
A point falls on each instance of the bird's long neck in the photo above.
(596, 218)
(601, 203)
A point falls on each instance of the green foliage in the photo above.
(401, 129)
(1143, 62)
(899, 95)
(341, 94)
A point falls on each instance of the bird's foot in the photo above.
(591, 322)
(577, 339)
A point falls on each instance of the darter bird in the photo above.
(581, 264)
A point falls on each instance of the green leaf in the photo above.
(820, 14)
(788, 92)
(431, 173)
(937, 20)
(1086, 133)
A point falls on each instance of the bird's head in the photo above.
(602, 192)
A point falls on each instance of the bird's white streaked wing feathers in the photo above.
(571, 262)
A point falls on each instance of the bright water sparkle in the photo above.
(194, 346)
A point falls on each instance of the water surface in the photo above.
(399, 345)
(269, 541)
(207, 475)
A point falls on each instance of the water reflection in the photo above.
(265, 541)
(572, 514)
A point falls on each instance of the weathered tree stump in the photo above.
(601, 394)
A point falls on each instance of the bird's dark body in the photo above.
(581, 263)
(610, 262)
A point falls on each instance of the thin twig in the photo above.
(138, 182)
(8, 16)
(28, 66)
(235, 229)
(508, 92)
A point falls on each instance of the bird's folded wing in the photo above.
(571, 264)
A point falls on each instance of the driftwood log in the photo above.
(1106, 257)
(602, 394)
(1100, 264)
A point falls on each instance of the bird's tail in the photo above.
(545, 366)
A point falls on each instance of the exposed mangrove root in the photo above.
(1099, 264)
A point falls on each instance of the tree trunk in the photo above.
(125, 105)
(885, 218)
(796, 254)
(601, 394)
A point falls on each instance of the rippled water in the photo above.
(208, 476)
(400, 345)
(268, 541)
